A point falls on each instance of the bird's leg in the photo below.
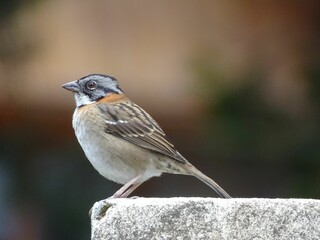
(128, 188)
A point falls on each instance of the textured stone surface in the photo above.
(206, 218)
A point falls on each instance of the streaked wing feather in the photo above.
(130, 122)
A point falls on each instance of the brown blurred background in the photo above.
(234, 84)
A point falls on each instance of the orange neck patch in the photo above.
(113, 97)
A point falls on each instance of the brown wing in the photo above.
(130, 122)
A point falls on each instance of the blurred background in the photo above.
(234, 84)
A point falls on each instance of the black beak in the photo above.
(72, 86)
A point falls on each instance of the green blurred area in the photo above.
(252, 144)
(280, 151)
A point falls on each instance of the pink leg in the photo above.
(128, 188)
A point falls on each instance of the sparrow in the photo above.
(121, 140)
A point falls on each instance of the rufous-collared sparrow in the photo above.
(122, 141)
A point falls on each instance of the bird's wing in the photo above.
(130, 122)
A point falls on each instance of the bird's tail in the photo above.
(215, 186)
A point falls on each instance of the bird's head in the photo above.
(92, 88)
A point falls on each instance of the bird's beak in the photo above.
(72, 86)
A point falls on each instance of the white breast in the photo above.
(112, 157)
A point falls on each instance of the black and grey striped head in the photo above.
(93, 87)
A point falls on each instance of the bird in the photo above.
(121, 140)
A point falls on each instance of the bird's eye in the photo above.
(91, 85)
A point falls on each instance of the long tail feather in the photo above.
(212, 184)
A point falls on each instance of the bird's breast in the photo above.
(113, 157)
